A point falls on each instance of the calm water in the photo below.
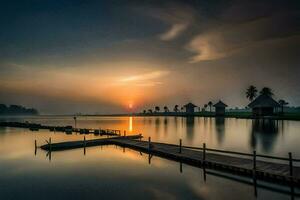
(113, 172)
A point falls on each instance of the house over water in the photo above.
(189, 108)
(220, 108)
(263, 105)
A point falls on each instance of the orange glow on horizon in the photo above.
(130, 105)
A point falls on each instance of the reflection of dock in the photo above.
(234, 162)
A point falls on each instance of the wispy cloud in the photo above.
(174, 31)
(229, 39)
(178, 17)
(145, 80)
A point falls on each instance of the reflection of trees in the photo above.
(190, 127)
(176, 123)
(220, 128)
(165, 125)
(157, 124)
(264, 131)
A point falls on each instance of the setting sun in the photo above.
(130, 105)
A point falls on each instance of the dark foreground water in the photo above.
(111, 172)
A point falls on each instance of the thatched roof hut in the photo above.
(263, 105)
(189, 108)
(220, 108)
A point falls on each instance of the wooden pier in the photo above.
(65, 129)
(234, 162)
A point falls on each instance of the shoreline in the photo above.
(239, 115)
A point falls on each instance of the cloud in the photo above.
(229, 39)
(145, 80)
(178, 17)
(175, 30)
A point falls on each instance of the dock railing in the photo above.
(252, 156)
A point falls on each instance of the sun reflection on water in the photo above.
(130, 124)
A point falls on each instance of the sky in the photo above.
(71, 56)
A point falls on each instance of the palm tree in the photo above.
(282, 104)
(157, 109)
(266, 91)
(166, 109)
(251, 92)
(150, 111)
(210, 105)
(176, 108)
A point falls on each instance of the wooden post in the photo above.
(35, 147)
(149, 143)
(75, 120)
(254, 173)
(254, 162)
(291, 164)
(203, 151)
(149, 158)
(180, 145)
(50, 146)
(84, 142)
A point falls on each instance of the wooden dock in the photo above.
(229, 161)
(65, 129)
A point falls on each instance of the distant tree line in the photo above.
(17, 110)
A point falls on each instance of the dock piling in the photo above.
(254, 162)
(180, 145)
(203, 153)
(149, 143)
(35, 147)
(291, 164)
(50, 146)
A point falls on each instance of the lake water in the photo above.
(111, 172)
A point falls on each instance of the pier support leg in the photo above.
(50, 149)
(204, 173)
(50, 146)
(203, 154)
(254, 173)
(149, 144)
(180, 145)
(254, 162)
(84, 145)
(149, 158)
(291, 165)
(35, 147)
(291, 175)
